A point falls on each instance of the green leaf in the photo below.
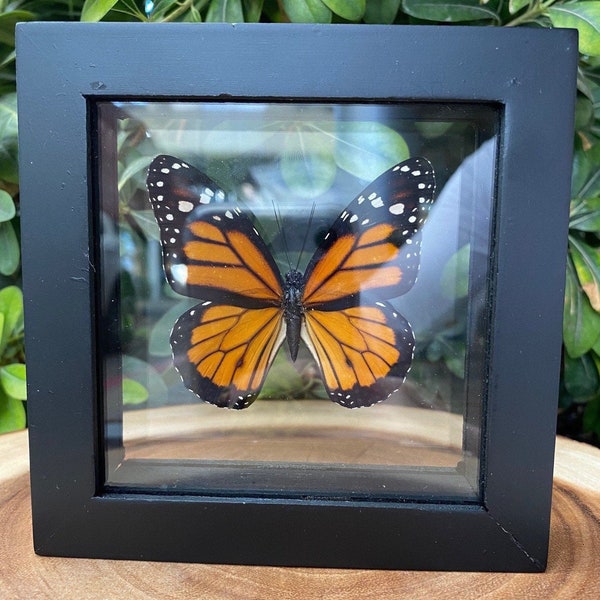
(13, 380)
(133, 168)
(10, 253)
(351, 10)
(158, 343)
(367, 149)
(134, 392)
(307, 164)
(11, 313)
(94, 10)
(381, 11)
(584, 113)
(225, 11)
(583, 16)
(581, 377)
(586, 261)
(253, 10)
(8, 120)
(455, 275)
(448, 11)
(586, 173)
(8, 20)
(12, 414)
(581, 323)
(306, 11)
(514, 6)
(283, 380)
(591, 416)
(7, 206)
(585, 214)
(147, 376)
(145, 219)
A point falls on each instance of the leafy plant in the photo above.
(580, 383)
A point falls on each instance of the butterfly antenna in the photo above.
(305, 240)
(281, 228)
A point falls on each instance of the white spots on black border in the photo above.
(185, 206)
(397, 209)
(353, 218)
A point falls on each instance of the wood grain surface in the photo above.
(573, 568)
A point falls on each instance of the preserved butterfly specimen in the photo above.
(224, 346)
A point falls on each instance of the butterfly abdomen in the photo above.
(293, 311)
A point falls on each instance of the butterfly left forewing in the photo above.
(364, 351)
(223, 352)
(176, 189)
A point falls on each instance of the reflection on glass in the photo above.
(287, 264)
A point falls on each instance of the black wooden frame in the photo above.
(529, 73)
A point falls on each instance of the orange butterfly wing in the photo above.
(224, 346)
(371, 253)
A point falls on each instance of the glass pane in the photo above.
(272, 258)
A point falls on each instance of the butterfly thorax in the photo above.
(293, 309)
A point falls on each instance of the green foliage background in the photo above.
(579, 406)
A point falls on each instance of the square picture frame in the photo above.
(79, 87)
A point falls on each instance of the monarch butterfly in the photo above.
(223, 347)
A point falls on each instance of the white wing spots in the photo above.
(207, 303)
(175, 230)
(185, 206)
(353, 219)
(326, 235)
(160, 183)
(185, 166)
(159, 198)
(165, 170)
(416, 173)
(380, 304)
(396, 209)
(179, 273)
(216, 217)
(175, 166)
(172, 240)
(409, 241)
(377, 202)
(229, 214)
(412, 219)
(365, 221)
(405, 168)
(396, 168)
(373, 196)
(344, 215)
(169, 217)
(361, 199)
(205, 198)
(255, 231)
(220, 195)
(421, 186)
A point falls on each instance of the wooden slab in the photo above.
(573, 569)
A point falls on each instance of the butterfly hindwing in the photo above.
(374, 245)
(223, 352)
(364, 351)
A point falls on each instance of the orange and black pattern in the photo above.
(224, 346)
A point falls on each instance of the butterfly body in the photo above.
(293, 310)
(224, 346)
